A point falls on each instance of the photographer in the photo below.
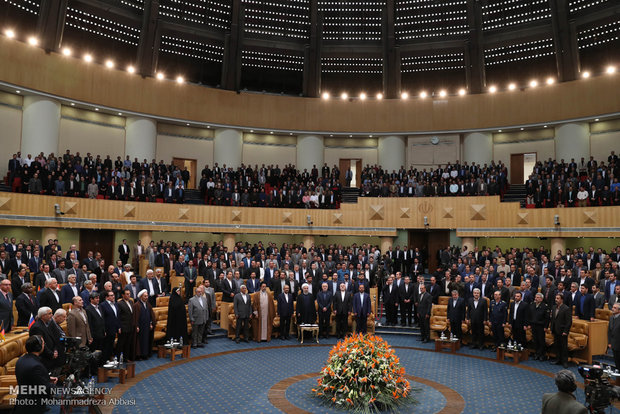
(44, 327)
(563, 401)
(30, 371)
(613, 334)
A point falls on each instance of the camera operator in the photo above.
(563, 401)
(30, 371)
(613, 333)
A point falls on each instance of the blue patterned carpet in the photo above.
(239, 382)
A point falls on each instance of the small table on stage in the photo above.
(441, 344)
(517, 356)
(120, 371)
(314, 329)
(163, 351)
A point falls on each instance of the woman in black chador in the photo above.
(176, 327)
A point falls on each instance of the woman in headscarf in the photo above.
(176, 327)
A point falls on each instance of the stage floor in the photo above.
(276, 377)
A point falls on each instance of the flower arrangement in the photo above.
(363, 374)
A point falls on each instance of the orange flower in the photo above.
(349, 401)
(334, 399)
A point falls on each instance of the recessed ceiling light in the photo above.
(131, 69)
(499, 130)
(251, 130)
(423, 94)
(120, 114)
(187, 124)
(545, 126)
(363, 96)
(585, 74)
(96, 109)
(72, 103)
(180, 79)
(66, 51)
(462, 92)
(109, 64)
(350, 136)
(596, 120)
(290, 133)
(550, 81)
(33, 41)
(88, 58)
(533, 83)
(404, 95)
(271, 132)
(18, 91)
(160, 75)
(521, 129)
(493, 89)
(325, 95)
(512, 87)
(443, 93)
(611, 69)
(344, 95)
(9, 33)
(379, 96)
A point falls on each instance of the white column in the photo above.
(310, 152)
(572, 141)
(557, 244)
(40, 126)
(391, 153)
(228, 147)
(468, 242)
(140, 138)
(478, 148)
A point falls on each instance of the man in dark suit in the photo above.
(390, 302)
(361, 310)
(95, 322)
(405, 297)
(599, 298)
(549, 291)
(190, 274)
(324, 303)
(27, 305)
(123, 252)
(17, 280)
(342, 304)
(6, 305)
(613, 333)
(584, 307)
(477, 313)
(497, 318)
(425, 304)
(31, 372)
(50, 297)
(43, 327)
(229, 288)
(561, 322)
(149, 284)
(69, 291)
(456, 314)
(126, 336)
(538, 321)
(434, 289)
(517, 318)
(285, 311)
(242, 303)
(110, 313)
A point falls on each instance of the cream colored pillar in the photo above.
(145, 237)
(229, 241)
(470, 242)
(143, 262)
(557, 243)
(386, 243)
(308, 240)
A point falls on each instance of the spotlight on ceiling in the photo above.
(325, 95)
(550, 81)
(610, 69)
(462, 92)
(379, 96)
(9, 33)
(344, 96)
(159, 75)
(363, 96)
(443, 93)
(585, 75)
(533, 83)
(404, 95)
(180, 79)
(109, 64)
(512, 87)
(88, 58)
(492, 89)
(66, 51)
(33, 41)
(423, 94)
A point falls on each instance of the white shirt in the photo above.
(361, 299)
(113, 307)
(151, 288)
(245, 300)
(516, 309)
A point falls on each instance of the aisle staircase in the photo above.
(516, 193)
(350, 194)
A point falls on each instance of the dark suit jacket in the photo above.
(563, 321)
(31, 371)
(409, 294)
(6, 311)
(242, 310)
(342, 307)
(390, 298)
(125, 316)
(424, 305)
(285, 309)
(227, 289)
(522, 317)
(51, 343)
(95, 322)
(66, 293)
(48, 299)
(587, 311)
(361, 310)
(477, 315)
(456, 313)
(112, 323)
(25, 309)
(613, 333)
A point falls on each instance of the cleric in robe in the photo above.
(264, 312)
(306, 309)
(145, 324)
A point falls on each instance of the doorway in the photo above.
(356, 168)
(429, 242)
(521, 166)
(190, 164)
(101, 241)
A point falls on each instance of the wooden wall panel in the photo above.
(470, 216)
(74, 79)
